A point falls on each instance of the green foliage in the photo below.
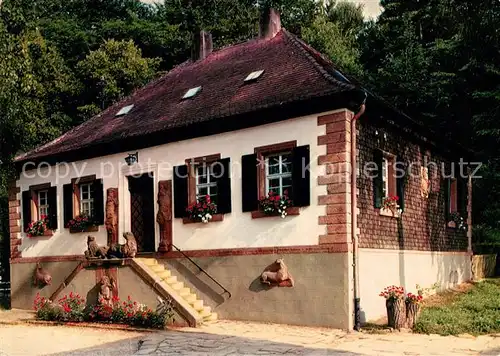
(114, 71)
(475, 312)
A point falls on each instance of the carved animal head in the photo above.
(42, 276)
(105, 281)
(129, 236)
(280, 262)
(90, 239)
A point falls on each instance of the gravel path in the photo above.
(28, 340)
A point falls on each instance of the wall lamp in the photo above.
(132, 158)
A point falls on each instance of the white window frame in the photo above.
(89, 201)
(43, 209)
(385, 177)
(280, 175)
(209, 184)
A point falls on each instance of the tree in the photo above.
(112, 72)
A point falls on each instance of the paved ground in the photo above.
(232, 338)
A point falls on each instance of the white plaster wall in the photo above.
(238, 229)
(381, 268)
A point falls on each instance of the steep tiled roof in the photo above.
(292, 71)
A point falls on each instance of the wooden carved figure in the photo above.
(129, 250)
(278, 275)
(95, 251)
(112, 215)
(41, 276)
(106, 291)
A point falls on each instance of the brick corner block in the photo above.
(14, 219)
(338, 199)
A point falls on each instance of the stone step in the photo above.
(190, 298)
(197, 305)
(177, 286)
(165, 274)
(213, 317)
(171, 280)
(149, 261)
(184, 292)
(157, 268)
(206, 312)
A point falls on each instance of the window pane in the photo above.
(273, 170)
(287, 181)
(202, 191)
(213, 190)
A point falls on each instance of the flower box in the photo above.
(294, 210)
(275, 205)
(202, 211)
(216, 217)
(93, 228)
(39, 228)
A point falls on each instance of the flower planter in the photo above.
(294, 210)
(412, 313)
(396, 313)
(72, 230)
(216, 217)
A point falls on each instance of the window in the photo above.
(43, 203)
(453, 196)
(125, 110)
(206, 182)
(388, 175)
(86, 200)
(191, 93)
(279, 173)
(40, 200)
(254, 75)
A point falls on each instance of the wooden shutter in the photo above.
(301, 176)
(223, 185)
(98, 194)
(400, 182)
(378, 183)
(249, 188)
(180, 190)
(26, 196)
(67, 203)
(462, 197)
(52, 200)
(447, 197)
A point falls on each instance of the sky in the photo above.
(371, 7)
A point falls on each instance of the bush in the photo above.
(72, 308)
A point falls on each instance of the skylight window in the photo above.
(254, 75)
(125, 110)
(191, 92)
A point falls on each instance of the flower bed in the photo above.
(72, 308)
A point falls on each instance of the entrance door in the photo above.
(142, 211)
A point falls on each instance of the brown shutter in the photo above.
(378, 183)
(224, 186)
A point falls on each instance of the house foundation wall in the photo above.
(380, 268)
(319, 297)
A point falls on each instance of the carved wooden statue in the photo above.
(164, 216)
(277, 274)
(41, 277)
(112, 215)
(94, 251)
(129, 250)
(106, 291)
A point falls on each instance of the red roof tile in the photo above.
(292, 71)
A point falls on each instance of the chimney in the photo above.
(270, 23)
(202, 45)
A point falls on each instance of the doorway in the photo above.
(142, 220)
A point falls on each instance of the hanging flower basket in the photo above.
(395, 305)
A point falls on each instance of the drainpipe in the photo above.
(354, 217)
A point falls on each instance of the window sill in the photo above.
(293, 211)
(215, 218)
(88, 229)
(451, 225)
(48, 233)
(389, 213)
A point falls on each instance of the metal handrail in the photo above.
(202, 270)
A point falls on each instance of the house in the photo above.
(271, 114)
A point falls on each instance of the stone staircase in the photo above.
(181, 295)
